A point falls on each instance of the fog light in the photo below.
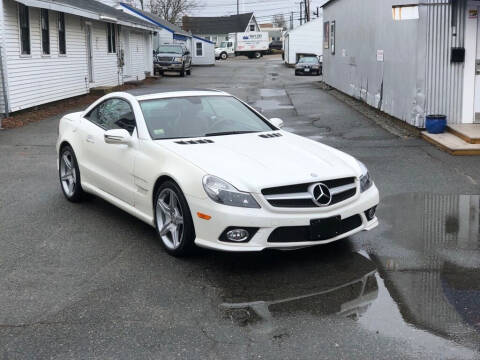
(370, 213)
(237, 235)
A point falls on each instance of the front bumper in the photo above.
(268, 218)
(169, 67)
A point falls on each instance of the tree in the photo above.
(279, 21)
(172, 10)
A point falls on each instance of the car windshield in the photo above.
(170, 49)
(224, 44)
(308, 60)
(198, 116)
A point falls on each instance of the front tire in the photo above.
(69, 175)
(189, 71)
(223, 56)
(173, 220)
(182, 72)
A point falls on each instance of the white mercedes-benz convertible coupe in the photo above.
(205, 168)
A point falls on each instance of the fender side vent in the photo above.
(267, 136)
(194, 142)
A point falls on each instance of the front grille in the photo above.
(297, 196)
(293, 234)
(164, 58)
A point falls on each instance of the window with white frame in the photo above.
(199, 49)
(24, 23)
(252, 27)
(62, 41)
(45, 31)
(111, 38)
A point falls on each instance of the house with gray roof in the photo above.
(218, 28)
(55, 49)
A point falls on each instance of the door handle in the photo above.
(90, 139)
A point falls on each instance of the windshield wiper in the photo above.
(230, 133)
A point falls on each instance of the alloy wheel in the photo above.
(170, 219)
(68, 173)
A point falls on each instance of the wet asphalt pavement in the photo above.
(89, 281)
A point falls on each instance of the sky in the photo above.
(263, 9)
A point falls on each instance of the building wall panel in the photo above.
(39, 79)
(375, 57)
(444, 80)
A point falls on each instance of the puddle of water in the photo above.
(430, 261)
(271, 105)
(272, 92)
(419, 282)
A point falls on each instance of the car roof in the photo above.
(181, 93)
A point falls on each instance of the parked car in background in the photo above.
(197, 166)
(308, 65)
(276, 45)
(174, 57)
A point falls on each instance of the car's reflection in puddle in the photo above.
(345, 286)
(426, 290)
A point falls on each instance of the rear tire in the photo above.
(189, 71)
(173, 220)
(257, 55)
(69, 175)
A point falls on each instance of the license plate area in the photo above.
(323, 229)
(307, 70)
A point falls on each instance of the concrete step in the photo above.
(452, 144)
(468, 132)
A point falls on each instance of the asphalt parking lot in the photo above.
(87, 280)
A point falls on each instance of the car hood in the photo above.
(251, 162)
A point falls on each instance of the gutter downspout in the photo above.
(3, 71)
(4, 88)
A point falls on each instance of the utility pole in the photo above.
(291, 21)
(307, 10)
(238, 7)
(301, 13)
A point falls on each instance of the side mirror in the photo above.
(276, 122)
(117, 136)
(187, 52)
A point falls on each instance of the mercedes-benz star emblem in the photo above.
(320, 194)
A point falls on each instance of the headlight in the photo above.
(366, 180)
(222, 192)
(177, 59)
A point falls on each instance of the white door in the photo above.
(127, 56)
(476, 115)
(110, 166)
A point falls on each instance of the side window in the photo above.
(199, 49)
(24, 20)
(113, 114)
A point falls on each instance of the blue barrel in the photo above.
(435, 124)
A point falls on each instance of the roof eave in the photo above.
(68, 9)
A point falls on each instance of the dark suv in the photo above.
(175, 57)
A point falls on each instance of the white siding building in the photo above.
(203, 51)
(52, 50)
